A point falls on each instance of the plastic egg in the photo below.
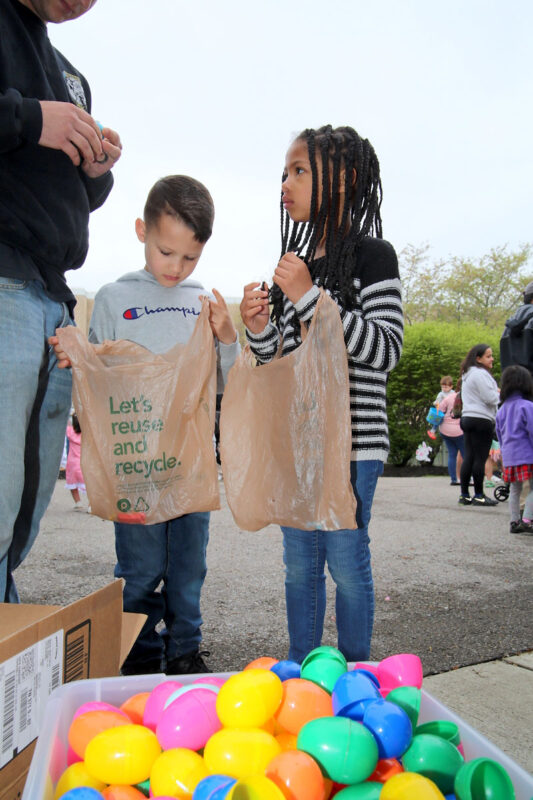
(402, 669)
(286, 669)
(369, 790)
(324, 666)
(134, 707)
(190, 687)
(74, 776)
(435, 758)
(352, 692)
(177, 773)
(122, 792)
(88, 725)
(297, 775)
(483, 779)
(156, 702)
(444, 728)
(301, 702)
(240, 751)
(265, 662)
(213, 680)
(255, 787)
(249, 698)
(214, 787)
(410, 786)
(345, 751)
(408, 698)
(83, 793)
(96, 705)
(390, 726)
(189, 721)
(122, 755)
(287, 741)
(385, 769)
(72, 757)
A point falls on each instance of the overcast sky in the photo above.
(216, 89)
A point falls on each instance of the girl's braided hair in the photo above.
(341, 153)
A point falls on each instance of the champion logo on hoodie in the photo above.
(138, 311)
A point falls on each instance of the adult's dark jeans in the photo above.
(478, 433)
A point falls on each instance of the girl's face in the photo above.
(297, 183)
(487, 359)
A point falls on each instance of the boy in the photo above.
(158, 307)
(446, 386)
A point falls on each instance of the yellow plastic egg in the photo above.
(176, 773)
(240, 752)
(249, 699)
(410, 786)
(122, 755)
(74, 776)
(257, 787)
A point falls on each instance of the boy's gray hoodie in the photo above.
(138, 308)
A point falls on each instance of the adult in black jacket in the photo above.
(55, 166)
(516, 344)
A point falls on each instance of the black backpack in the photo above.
(516, 344)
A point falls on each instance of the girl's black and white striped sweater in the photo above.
(373, 332)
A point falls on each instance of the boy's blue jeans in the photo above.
(347, 553)
(174, 553)
(35, 399)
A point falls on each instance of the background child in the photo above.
(158, 307)
(514, 430)
(446, 387)
(73, 475)
(450, 430)
(331, 193)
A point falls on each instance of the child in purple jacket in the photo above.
(514, 430)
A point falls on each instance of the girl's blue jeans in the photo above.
(35, 399)
(347, 553)
(454, 445)
(173, 553)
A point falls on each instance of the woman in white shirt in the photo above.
(480, 396)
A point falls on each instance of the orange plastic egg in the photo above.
(134, 707)
(297, 775)
(302, 701)
(87, 726)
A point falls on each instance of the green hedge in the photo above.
(431, 350)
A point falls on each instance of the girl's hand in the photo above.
(254, 307)
(293, 277)
(220, 320)
(62, 358)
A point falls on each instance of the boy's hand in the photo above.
(62, 358)
(293, 277)
(254, 307)
(220, 320)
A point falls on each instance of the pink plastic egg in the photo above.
(189, 720)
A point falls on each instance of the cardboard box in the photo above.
(42, 647)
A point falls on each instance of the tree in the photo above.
(483, 290)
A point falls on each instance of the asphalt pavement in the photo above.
(452, 585)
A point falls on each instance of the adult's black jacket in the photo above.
(45, 200)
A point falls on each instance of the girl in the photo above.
(332, 238)
(514, 430)
(479, 395)
(450, 430)
(74, 479)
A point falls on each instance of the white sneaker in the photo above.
(78, 506)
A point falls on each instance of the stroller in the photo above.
(501, 492)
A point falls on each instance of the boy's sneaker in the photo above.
(464, 500)
(188, 664)
(483, 501)
(432, 434)
(521, 527)
(141, 668)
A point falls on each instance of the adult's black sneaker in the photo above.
(464, 500)
(188, 664)
(483, 501)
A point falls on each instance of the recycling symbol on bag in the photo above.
(124, 505)
(141, 505)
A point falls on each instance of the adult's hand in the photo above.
(112, 148)
(72, 130)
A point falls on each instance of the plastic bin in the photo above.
(49, 758)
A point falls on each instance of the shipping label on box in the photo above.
(26, 682)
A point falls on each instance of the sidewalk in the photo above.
(451, 585)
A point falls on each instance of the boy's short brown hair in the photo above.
(447, 380)
(184, 198)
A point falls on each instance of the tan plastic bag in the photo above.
(285, 433)
(147, 425)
